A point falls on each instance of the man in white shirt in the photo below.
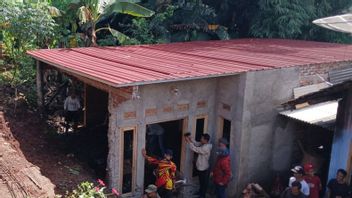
(71, 107)
(298, 173)
(203, 149)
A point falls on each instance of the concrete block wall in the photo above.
(261, 142)
(158, 103)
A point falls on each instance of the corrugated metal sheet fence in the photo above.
(340, 75)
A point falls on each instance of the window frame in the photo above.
(134, 158)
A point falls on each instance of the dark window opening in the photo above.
(200, 127)
(226, 130)
(127, 161)
(159, 137)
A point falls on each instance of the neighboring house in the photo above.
(228, 89)
(339, 97)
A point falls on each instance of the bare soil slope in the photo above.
(32, 164)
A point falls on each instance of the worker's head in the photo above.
(298, 172)
(151, 191)
(204, 139)
(72, 93)
(309, 169)
(223, 143)
(168, 154)
(340, 176)
(296, 188)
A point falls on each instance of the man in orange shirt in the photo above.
(165, 173)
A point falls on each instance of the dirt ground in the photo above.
(32, 161)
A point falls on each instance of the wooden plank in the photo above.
(40, 95)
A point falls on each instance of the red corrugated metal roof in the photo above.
(145, 64)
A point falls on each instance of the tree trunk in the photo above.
(94, 36)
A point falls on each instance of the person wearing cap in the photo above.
(165, 172)
(221, 172)
(203, 149)
(298, 173)
(294, 191)
(313, 181)
(151, 192)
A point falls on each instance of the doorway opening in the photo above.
(90, 142)
(159, 137)
(225, 129)
(199, 131)
(85, 136)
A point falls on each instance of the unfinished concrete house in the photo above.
(228, 89)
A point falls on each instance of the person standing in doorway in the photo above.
(221, 172)
(165, 172)
(298, 173)
(71, 107)
(312, 180)
(203, 149)
(337, 188)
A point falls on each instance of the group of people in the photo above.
(305, 184)
(166, 169)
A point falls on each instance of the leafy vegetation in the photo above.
(89, 190)
(74, 23)
(24, 27)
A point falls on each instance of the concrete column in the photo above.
(40, 95)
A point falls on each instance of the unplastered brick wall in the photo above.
(309, 74)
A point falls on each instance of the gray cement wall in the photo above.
(165, 105)
(259, 127)
(261, 142)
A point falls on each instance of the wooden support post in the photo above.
(40, 95)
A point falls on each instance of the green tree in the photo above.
(282, 18)
(24, 27)
(91, 12)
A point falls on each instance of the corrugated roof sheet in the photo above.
(145, 64)
(318, 114)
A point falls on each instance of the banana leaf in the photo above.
(128, 7)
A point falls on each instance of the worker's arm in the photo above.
(66, 104)
(226, 168)
(78, 103)
(199, 149)
(150, 160)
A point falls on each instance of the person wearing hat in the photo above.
(313, 181)
(165, 172)
(151, 192)
(298, 173)
(221, 172)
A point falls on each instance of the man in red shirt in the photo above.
(312, 180)
(222, 170)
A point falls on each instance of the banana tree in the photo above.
(91, 12)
